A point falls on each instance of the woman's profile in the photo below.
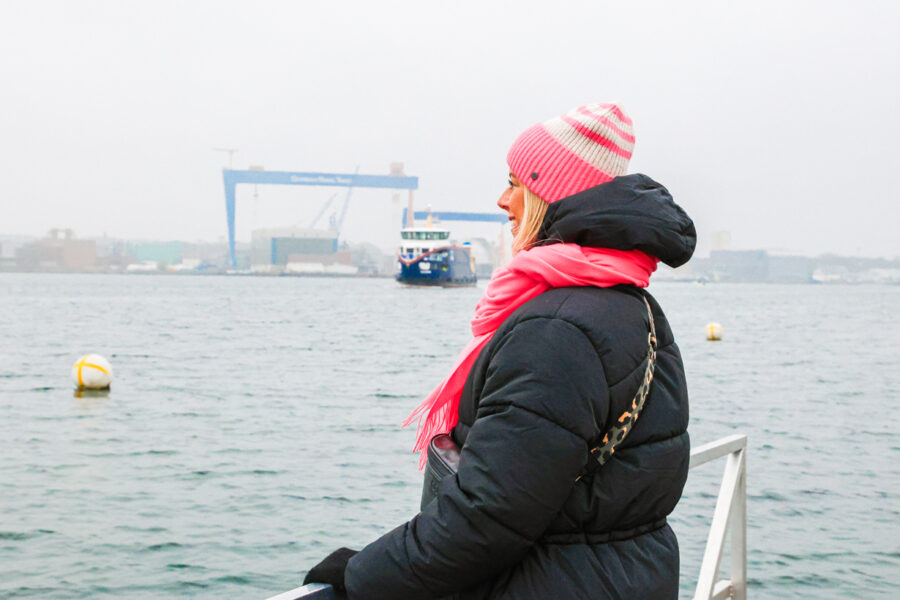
(563, 354)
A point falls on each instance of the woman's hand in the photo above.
(331, 570)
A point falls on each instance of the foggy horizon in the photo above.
(771, 121)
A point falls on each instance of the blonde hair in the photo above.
(535, 209)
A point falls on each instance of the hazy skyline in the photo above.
(775, 121)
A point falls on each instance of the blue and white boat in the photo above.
(427, 257)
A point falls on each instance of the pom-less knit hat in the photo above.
(586, 146)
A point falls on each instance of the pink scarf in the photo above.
(529, 274)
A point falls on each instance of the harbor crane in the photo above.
(336, 222)
(312, 224)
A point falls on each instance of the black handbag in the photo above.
(443, 453)
(443, 460)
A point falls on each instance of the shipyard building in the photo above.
(299, 250)
(59, 250)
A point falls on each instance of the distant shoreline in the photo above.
(212, 273)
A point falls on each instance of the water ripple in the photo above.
(253, 427)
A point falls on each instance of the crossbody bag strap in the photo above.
(600, 454)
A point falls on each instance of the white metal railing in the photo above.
(730, 516)
(313, 591)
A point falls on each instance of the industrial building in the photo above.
(752, 266)
(166, 253)
(298, 250)
(58, 251)
(789, 268)
(176, 255)
(739, 265)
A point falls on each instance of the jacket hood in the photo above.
(631, 212)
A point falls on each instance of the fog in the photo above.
(775, 121)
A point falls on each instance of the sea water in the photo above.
(253, 427)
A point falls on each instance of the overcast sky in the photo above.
(777, 121)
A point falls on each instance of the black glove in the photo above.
(331, 570)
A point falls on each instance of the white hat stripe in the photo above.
(607, 125)
(586, 149)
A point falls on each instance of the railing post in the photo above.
(729, 520)
(739, 534)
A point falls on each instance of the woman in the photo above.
(560, 351)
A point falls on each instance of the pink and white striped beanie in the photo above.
(586, 146)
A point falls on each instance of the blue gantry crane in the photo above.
(233, 177)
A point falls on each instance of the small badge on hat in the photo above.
(534, 175)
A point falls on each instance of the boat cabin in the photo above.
(416, 241)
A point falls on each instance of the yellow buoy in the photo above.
(92, 372)
(713, 332)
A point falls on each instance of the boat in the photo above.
(428, 257)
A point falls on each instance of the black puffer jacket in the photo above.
(513, 523)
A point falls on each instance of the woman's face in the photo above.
(512, 200)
